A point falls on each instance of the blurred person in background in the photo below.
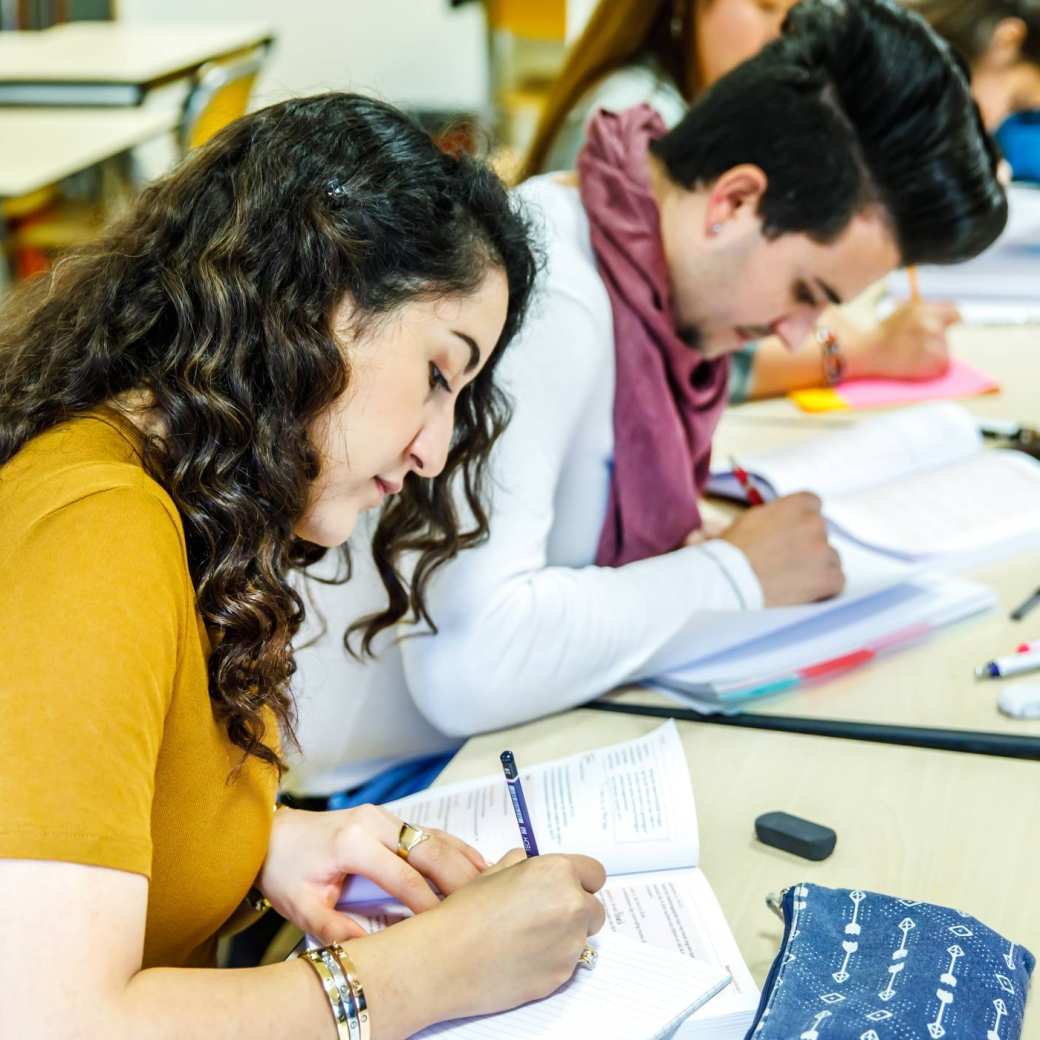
(1000, 40)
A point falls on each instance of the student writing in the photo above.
(666, 53)
(303, 319)
(666, 254)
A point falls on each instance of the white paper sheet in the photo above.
(635, 992)
(677, 910)
(870, 453)
(629, 805)
(979, 503)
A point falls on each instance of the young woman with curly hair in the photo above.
(298, 324)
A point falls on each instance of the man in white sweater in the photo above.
(800, 179)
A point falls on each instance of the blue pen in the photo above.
(516, 796)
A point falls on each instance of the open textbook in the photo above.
(916, 485)
(631, 806)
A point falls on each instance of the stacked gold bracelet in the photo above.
(339, 980)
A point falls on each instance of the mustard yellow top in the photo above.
(110, 753)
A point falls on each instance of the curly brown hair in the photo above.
(214, 297)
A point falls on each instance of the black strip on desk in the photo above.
(977, 742)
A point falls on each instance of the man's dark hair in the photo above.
(858, 103)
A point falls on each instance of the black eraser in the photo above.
(793, 834)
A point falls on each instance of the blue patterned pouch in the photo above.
(856, 965)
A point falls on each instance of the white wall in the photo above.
(416, 53)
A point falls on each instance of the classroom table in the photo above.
(111, 63)
(929, 686)
(42, 145)
(958, 830)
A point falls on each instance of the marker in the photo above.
(1000, 429)
(1026, 606)
(751, 493)
(516, 796)
(1025, 648)
(1014, 664)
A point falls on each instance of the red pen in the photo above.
(751, 493)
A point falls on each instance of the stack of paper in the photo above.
(910, 497)
(958, 381)
(828, 643)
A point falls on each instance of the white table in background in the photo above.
(111, 63)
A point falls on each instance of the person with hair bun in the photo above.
(303, 321)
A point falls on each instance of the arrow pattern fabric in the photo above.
(857, 965)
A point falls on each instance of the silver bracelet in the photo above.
(356, 991)
(331, 956)
(340, 1014)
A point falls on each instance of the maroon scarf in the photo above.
(668, 398)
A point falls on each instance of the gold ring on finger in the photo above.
(408, 837)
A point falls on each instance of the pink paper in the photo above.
(959, 380)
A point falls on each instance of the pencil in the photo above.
(915, 284)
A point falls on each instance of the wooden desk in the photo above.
(110, 63)
(931, 685)
(40, 146)
(952, 829)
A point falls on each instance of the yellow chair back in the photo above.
(220, 95)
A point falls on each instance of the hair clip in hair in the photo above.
(335, 188)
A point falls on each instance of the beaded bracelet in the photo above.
(833, 359)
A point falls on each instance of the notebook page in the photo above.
(677, 910)
(630, 805)
(635, 992)
(968, 507)
(872, 452)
